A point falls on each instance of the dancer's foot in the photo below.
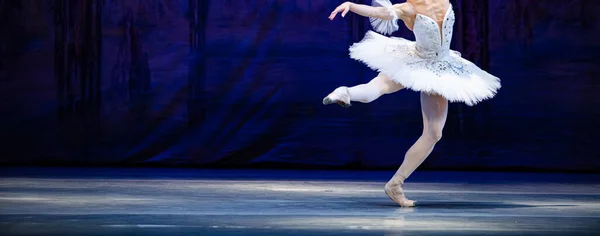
(394, 191)
(339, 96)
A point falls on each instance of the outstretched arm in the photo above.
(363, 10)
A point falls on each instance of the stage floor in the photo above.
(93, 201)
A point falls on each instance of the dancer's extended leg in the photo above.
(364, 93)
(435, 110)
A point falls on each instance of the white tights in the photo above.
(434, 109)
(378, 86)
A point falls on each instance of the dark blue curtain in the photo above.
(240, 83)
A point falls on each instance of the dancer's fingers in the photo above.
(345, 11)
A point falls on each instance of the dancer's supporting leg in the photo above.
(364, 93)
(435, 111)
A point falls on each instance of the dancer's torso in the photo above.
(421, 16)
(435, 9)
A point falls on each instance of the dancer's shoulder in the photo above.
(406, 12)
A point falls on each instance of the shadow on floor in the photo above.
(464, 205)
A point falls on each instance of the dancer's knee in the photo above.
(386, 85)
(434, 135)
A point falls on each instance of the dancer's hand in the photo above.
(344, 8)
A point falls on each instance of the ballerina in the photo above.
(426, 65)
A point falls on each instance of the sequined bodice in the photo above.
(427, 34)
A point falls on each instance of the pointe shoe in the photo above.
(339, 96)
(396, 194)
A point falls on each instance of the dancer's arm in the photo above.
(382, 13)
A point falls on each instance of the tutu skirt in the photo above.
(443, 73)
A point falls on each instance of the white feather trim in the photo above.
(385, 26)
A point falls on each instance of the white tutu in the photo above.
(426, 66)
(452, 77)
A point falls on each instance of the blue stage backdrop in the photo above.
(238, 83)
